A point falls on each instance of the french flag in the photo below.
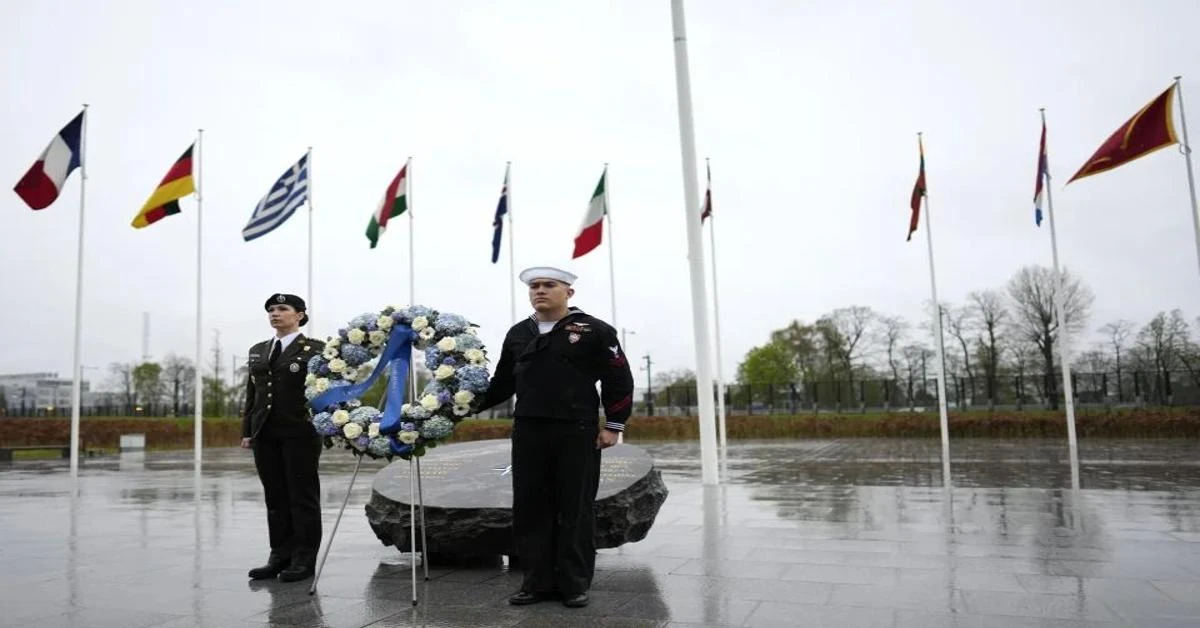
(41, 185)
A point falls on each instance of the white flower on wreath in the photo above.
(350, 374)
(407, 438)
(373, 430)
(428, 333)
(384, 322)
(461, 410)
(310, 379)
(444, 371)
(341, 417)
(430, 402)
(352, 430)
(333, 343)
(356, 336)
(419, 323)
(464, 397)
(377, 337)
(329, 353)
(447, 344)
(475, 356)
(337, 365)
(322, 384)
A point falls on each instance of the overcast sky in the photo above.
(809, 111)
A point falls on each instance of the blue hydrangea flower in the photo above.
(437, 428)
(473, 378)
(364, 415)
(433, 358)
(401, 316)
(372, 326)
(379, 447)
(363, 320)
(362, 442)
(451, 324)
(408, 427)
(324, 371)
(344, 334)
(444, 397)
(315, 363)
(418, 310)
(449, 361)
(464, 342)
(355, 355)
(416, 412)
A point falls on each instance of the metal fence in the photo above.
(1010, 392)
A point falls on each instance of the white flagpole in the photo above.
(198, 445)
(1187, 153)
(941, 363)
(701, 338)
(512, 266)
(309, 296)
(612, 274)
(712, 239)
(77, 369)
(1064, 352)
(412, 287)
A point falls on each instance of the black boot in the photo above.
(276, 563)
(304, 565)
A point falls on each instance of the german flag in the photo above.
(1148, 130)
(165, 200)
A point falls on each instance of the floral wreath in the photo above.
(374, 343)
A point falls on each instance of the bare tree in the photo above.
(178, 376)
(990, 315)
(1164, 340)
(1117, 333)
(892, 330)
(122, 380)
(853, 326)
(1033, 292)
(959, 326)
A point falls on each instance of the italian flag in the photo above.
(592, 231)
(394, 203)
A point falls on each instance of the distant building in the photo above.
(43, 391)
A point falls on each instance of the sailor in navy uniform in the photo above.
(277, 427)
(552, 362)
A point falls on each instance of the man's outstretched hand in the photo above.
(606, 439)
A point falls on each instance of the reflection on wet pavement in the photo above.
(851, 532)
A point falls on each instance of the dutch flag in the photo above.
(41, 185)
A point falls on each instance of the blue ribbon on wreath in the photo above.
(396, 359)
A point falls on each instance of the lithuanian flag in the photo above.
(165, 200)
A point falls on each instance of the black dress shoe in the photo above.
(521, 598)
(304, 565)
(276, 563)
(576, 601)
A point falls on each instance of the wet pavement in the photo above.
(854, 532)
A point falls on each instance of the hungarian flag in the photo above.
(41, 185)
(1148, 130)
(1042, 174)
(917, 193)
(707, 211)
(592, 231)
(165, 200)
(394, 203)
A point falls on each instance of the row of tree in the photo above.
(994, 335)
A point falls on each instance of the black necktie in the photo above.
(275, 349)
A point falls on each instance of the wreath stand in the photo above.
(416, 499)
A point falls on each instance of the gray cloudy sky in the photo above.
(808, 109)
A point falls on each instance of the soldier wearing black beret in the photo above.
(276, 426)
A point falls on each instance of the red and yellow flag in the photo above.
(1150, 129)
(165, 200)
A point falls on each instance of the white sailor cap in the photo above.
(546, 272)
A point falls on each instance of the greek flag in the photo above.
(288, 193)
